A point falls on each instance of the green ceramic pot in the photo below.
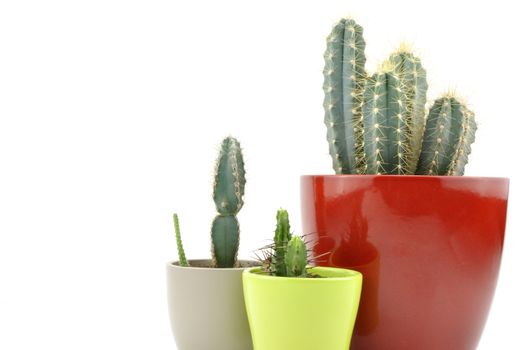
(302, 313)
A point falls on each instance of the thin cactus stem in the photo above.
(181, 252)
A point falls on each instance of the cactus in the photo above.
(296, 258)
(450, 131)
(344, 79)
(181, 252)
(414, 88)
(376, 124)
(229, 189)
(460, 159)
(225, 240)
(281, 239)
(288, 256)
(386, 137)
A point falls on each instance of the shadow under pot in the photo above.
(206, 306)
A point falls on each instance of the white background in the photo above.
(111, 113)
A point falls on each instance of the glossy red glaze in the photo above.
(429, 249)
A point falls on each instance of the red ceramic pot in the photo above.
(429, 248)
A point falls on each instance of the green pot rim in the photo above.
(328, 273)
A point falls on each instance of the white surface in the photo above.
(111, 112)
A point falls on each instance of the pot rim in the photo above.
(175, 265)
(442, 177)
(351, 275)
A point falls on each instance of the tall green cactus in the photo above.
(450, 131)
(296, 258)
(344, 79)
(229, 188)
(376, 124)
(281, 239)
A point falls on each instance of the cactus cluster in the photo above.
(288, 256)
(228, 192)
(377, 124)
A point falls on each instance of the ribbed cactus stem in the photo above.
(225, 240)
(414, 87)
(181, 252)
(449, 132)
(344, 79)
(281, 239)
(229, 178)
(387, 133)
(460, 158)
(296, 257)
(229, 188)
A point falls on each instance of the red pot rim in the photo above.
(435, 177)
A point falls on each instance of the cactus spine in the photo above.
(181, 252)
(344, 79)
(449, 133)
(296, 258)
(281, 239)
(229, 188)
(376, 124)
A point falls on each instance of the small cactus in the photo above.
(181, 252)
(229, 188)
(450, 131)
(376, 124)
(296, 258)
(288, 255)
(464, 148)
(281, 239)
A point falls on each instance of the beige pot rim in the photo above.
(205, 265)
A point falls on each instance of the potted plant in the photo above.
(292, 306)
(205, 297)
(427, 239)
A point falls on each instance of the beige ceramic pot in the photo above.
(206, 306)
